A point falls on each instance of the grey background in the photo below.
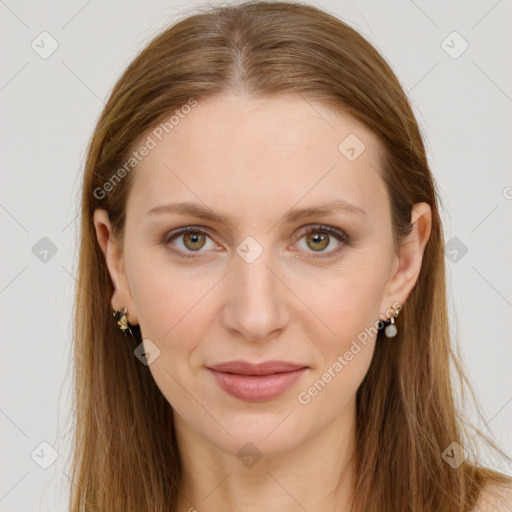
(49, 108)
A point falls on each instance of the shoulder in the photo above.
(495, 499)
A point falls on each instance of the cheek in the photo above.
(344, 303)
(346, 354)
(175, 309)
(331, 392)
(345, 341)
(173, 316)
(162, 292)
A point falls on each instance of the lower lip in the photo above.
(257, 387)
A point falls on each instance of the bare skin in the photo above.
(301, 300)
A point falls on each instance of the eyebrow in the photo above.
(202, 212)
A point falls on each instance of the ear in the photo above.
(408, 261)
(122, 296)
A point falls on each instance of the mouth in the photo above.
(257, 382)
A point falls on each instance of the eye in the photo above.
(320, 237)
(193, 240)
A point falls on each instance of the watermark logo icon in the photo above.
(351, 147)
(44, 250)
(44, 45)
(454, 45)
(454, 455)
(455, 249)
(249, 455)
(147, 352)
(249, 249)
(44, 455)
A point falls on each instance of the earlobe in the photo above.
(113, 258)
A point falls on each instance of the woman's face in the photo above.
(248, 282)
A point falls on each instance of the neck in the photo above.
(314, 475)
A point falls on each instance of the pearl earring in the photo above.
(390, 330)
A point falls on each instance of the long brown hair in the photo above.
(125, 452)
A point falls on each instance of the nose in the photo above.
(256, 305)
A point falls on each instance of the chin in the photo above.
(264, 433)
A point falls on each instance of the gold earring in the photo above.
(122, 320)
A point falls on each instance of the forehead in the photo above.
(262, 156)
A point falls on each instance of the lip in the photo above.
(257, 382)
(266, 368)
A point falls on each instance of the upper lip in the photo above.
(265, 368)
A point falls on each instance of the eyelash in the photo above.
(341, 236)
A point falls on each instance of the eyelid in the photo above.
(339, 234)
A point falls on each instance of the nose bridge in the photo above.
(255, 278)
(257, 304)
